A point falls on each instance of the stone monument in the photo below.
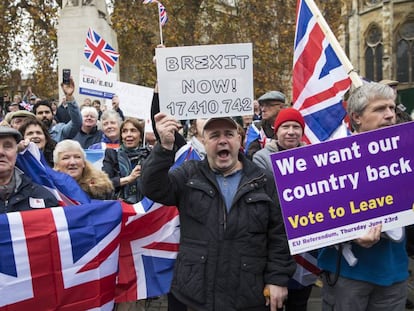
(75, 19)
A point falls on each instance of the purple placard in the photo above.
(334, 191)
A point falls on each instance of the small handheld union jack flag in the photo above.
(163, 17)
(161, 9)
(163, 14)
(99, 52)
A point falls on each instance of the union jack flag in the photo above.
(60, 258)
(163, 17)
(99, 52)
(163, 14)
(149, 234)
(149, 246)
(319, 79)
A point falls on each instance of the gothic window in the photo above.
(373, 54)
(405, 52)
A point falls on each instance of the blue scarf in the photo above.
(128, 158)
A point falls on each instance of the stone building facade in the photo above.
(379, 40)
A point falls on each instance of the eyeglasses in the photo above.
(269, 104)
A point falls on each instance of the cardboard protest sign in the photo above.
(96, 83)
(134, 100)
(205, 81)
(335, 191)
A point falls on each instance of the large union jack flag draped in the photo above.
(319, 79)
(60, 258)
(99, 52)
(148, 241)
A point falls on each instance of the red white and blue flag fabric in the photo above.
(149, 246)
(61, 258)
(26, 106)
(252, 134)
(163, 17)
(319, 79)
(149, 233)
(99, 52)
(163, 14)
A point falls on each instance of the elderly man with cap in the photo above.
(17, 191)
(233, 244)
(17, 118)
(270, 105)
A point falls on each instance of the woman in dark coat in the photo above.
(123, 166)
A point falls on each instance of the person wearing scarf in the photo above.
(123, 166)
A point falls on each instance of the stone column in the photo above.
(75, 19)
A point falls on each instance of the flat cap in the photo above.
(273, 96)
(9, 131)
(19, 113)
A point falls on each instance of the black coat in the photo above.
(23, 197)
(225, 258)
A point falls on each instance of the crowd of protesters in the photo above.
(233, 252)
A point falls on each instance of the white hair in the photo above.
(67, 145)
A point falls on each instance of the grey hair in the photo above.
(363, 95)
(111, 114)
(67, 145)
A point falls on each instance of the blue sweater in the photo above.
(383, 264)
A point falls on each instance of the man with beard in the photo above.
(60, 131)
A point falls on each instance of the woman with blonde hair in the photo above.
(69, 158)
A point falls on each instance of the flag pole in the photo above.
(159, 21)
(355, 78)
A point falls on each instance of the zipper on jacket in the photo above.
(224, 217)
